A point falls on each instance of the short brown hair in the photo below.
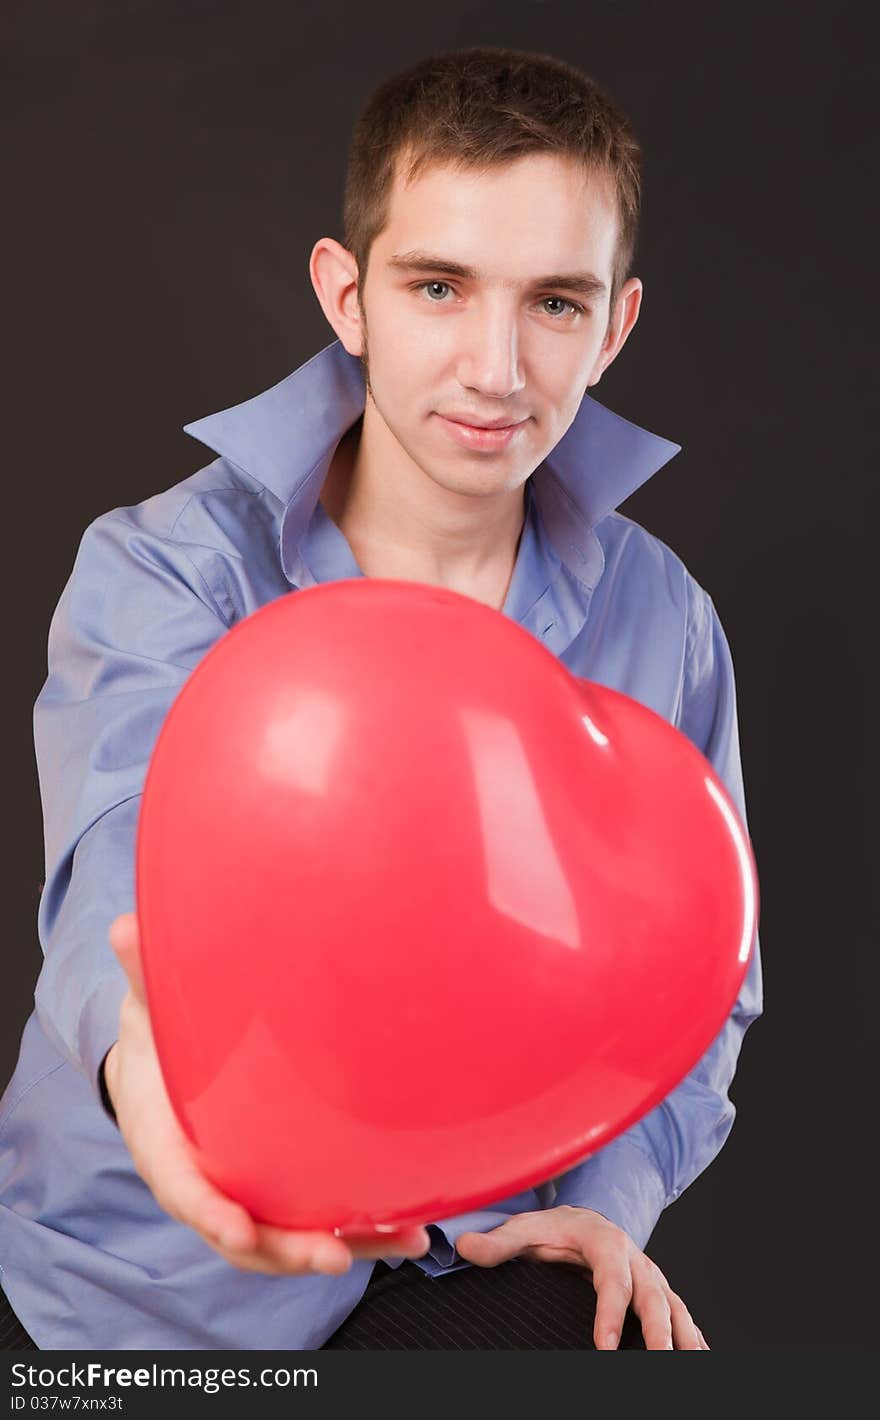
(482, 107)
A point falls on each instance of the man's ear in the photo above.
(334, 275)
(623, 318)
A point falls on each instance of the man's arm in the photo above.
(643, 1170)
(133, 621)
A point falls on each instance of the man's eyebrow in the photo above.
(584, 283)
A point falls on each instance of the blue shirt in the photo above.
(88, 1257)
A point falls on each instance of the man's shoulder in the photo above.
(206, 504)
(630, 549)
(216, 532)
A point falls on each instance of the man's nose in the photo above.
(490, 360)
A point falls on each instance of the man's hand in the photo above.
(622, 1275)
(164, 1159)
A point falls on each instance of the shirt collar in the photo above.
(285, 438)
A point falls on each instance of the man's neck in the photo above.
(401, 524)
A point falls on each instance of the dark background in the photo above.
(172, 166)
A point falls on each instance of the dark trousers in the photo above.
(13, 1336)
(516, 1306)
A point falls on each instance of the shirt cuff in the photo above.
(442, 1255)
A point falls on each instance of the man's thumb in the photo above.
(485, 1249)
(125, 941)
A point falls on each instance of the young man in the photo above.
(446, 436)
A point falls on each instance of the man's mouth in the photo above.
(480, 436)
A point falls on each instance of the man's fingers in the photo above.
(190, 1198)
(251, 1246)
(407, 1242)
(186, 1195)
(685, 1333)
(162, 1157)
(262, 1247)
(480, 1249)
(652, 1306)
(504, 1242)
(125, 941)
(283, 1252)
(614, 1291)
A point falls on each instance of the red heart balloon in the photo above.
(425, 919)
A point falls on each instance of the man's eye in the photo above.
(563, 300)
(429, 287)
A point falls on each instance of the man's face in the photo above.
(501, 344)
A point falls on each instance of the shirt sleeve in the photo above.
(133, 620)
(643, 1170)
